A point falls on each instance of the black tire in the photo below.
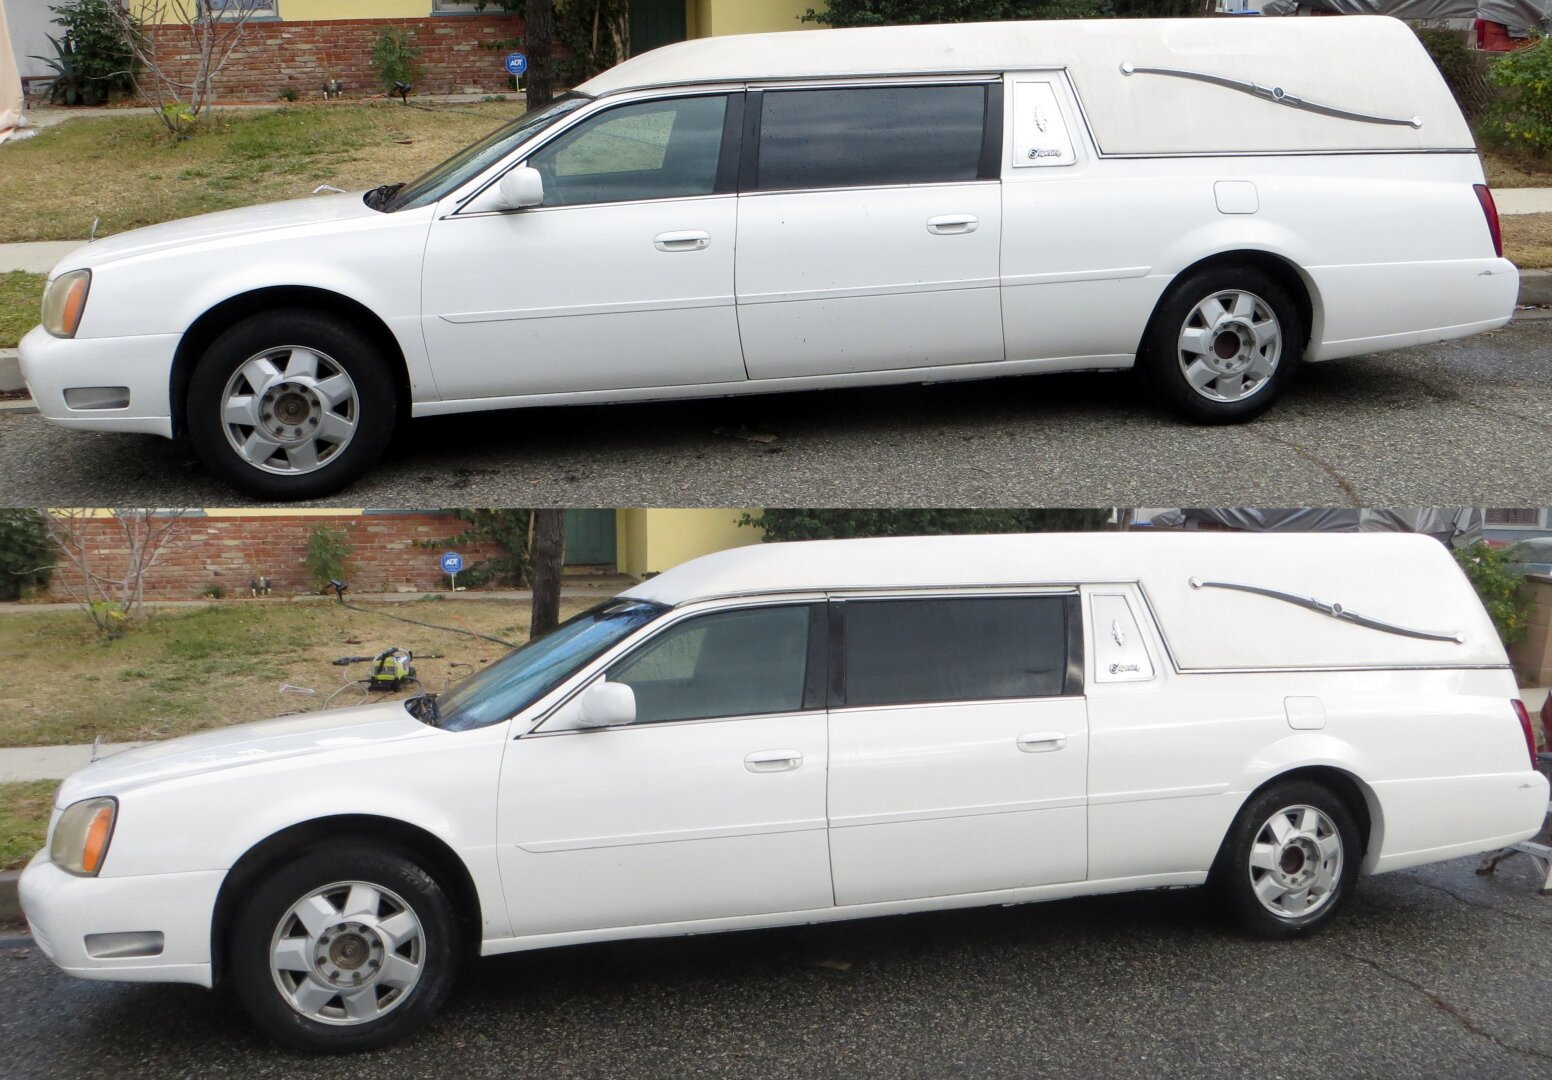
(375, 411)
(259, 922)
(1160, 357)
(1233, 876)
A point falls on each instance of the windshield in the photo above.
(520, 678)
(475, 158)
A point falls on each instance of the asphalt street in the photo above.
(1462, 423)
(1432, 972)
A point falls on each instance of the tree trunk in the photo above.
(539, 36)
(548, 553)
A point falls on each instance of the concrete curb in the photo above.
(10, 371)
(1535, 288)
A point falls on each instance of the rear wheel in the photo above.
(291, 404)
(1289, 860)
(1223, 344)
(344, 950)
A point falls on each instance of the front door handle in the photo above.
(773, 761)
(685, 240)
(949, 224)
(1042, 742)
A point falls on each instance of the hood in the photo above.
(243, 745)
(223, 225)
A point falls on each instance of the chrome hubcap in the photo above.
(347, 953)
(290, 410)
(1230, 346)
(1296, 861)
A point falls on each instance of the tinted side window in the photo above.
(728, 663)
(863, 136)
(906, 651)
(651, 150)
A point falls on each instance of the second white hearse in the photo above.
(1212, 200)
(796, 733)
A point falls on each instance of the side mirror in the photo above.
(606, 704)
(520, 187)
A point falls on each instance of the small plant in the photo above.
(393, 57)
(26, 555)
(101, 57)
(1521, 120)
(214, 592)
(70, 85)
(287, 93)
(328, 555)
(1500, 584)
(179, 118)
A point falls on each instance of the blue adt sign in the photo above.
(516, 63)
(452, 562)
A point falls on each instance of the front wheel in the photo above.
(291, 404)
(1289, 860)
(344, 950)
(1223, 344)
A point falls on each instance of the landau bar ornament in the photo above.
(1334, 610)
(1275, 94)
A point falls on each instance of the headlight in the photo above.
(82, 835)
(63, 302)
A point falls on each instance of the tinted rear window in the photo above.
(867, 136)
(971, 649)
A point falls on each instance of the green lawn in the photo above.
(127, 171)
(24, 818)
(189, 669)
(20, 295)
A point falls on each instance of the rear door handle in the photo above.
(685, 240)
(773, 761)
(1042, 742)
(953, 223)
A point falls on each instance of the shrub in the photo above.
(393, 57)
(1460, 68)
(1521, 120)
(328, 555)
(100, 57)
(1494, 574)
(26, 553)
(794, 524)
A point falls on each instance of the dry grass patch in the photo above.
(129, 172)
(1528, 240)
(24, 816)
(21, 294)
(192, 669)
(1503, 172)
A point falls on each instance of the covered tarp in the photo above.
(1455, 526)
(13, 125)
(1524, 14)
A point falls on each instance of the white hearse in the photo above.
(796, 733)
(1213, 200)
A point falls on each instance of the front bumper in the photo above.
(62, 909)
(142, 365)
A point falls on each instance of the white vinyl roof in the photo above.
(1373, 65)
(1403, 579)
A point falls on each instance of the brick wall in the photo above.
(227, 552)
(303, 55)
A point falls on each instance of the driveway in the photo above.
(1430, 972)
(1463, 423)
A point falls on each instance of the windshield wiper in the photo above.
(424, 708)
(378, 197)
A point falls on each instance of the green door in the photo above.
(590, 538)
(654, 23)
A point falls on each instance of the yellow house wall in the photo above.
(649, 541)
(707, 18)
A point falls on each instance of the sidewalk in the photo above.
(58, 762)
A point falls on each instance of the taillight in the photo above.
(1530, 736)
(1490, 211)
(1546, 721)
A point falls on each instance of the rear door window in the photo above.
(916, 651)
(867, 136)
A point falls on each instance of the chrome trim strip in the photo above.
(1275, 94)
(631, 839)
(1060, 276)
(1197, 791)
(1333, 610)
(939, 813)
(629, 307)
(854, 292)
